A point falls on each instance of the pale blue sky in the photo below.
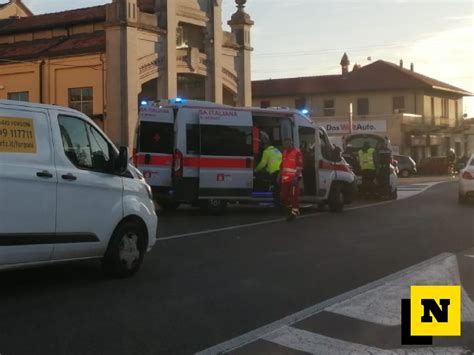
(308, 37)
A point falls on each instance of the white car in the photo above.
(466, 181)
(66, 193)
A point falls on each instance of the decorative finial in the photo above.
(241, 17)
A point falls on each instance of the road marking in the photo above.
(381, 305)
(270, 221)
(265, 330)
(314, 343)
(276, 220)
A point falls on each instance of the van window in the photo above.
(84, 146)
(326, 146)
(226, 140)
(192, 139)
(307, 138)
(156, 137)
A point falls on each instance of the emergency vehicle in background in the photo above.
(204, 154)
(385, 180)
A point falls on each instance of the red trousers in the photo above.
(290, 195)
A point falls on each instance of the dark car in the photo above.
(433, 166)
(406, 165)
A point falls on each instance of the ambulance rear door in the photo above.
(155, 145)
(226, 160)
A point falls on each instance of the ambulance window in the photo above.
(326, 146)
(286, 131)
(192, 139)
(307, 138)
(226, 140)
(156, 137)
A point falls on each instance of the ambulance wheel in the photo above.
(213, 206)
(168, 204)
(336, 199)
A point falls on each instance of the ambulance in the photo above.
(204, 154)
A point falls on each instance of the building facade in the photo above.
(422, 116)
(104, 60)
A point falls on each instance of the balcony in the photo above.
(410, 119)
(191, 60)
(441, 122)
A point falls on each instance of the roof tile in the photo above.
(54, 47)
(380, 75)
(53, 20)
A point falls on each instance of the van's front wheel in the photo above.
(126, 250)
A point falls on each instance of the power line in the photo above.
(326, 51)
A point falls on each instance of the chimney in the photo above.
(412, 67)
(401, 63)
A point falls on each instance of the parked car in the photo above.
(466, 182)
(406, 166)
(67, 193)
(433, 166)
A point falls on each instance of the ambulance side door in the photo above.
(155, 145)
(226, 160)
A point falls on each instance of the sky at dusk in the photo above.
(308, 37)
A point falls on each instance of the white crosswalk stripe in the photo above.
(377, 304)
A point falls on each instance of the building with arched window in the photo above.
(104, 60)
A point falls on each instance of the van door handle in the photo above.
(44, 174)
(69, 177)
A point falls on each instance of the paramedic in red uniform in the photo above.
(291, 174)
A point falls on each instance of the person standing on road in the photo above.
(367, 165)
(269, 166)
(291, 174)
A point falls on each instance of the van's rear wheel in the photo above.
(213, 206)
(126, 250)
(336, 199)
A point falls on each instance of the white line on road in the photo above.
(261, 332)
(314, 343)
(276, 220)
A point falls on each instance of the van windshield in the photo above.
(156, 137)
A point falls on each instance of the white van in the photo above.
(66, 193)
(204, 154)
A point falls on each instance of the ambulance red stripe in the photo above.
(195, 162)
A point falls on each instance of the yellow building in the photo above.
(422, 116)
(104, 60)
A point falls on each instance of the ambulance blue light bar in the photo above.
(178, 101)
(305, 111)
(143, 103)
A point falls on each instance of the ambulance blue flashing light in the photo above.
(305, 111)
(179, 100)
(143, 103)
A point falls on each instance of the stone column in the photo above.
(122, 81)
(241, 25)
(214, 41)
(168, 80)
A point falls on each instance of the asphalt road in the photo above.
(198, 290)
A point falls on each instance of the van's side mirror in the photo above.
(121, 164)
